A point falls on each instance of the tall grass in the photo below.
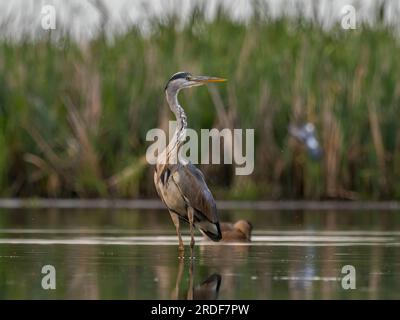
(73, 117)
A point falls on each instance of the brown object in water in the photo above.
(240, 231)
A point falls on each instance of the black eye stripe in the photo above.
(180, 75)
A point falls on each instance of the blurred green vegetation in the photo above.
(74, 117)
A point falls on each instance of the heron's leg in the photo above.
(191, 222)
(175, 220)
(190, 290)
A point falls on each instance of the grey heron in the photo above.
(179, 184)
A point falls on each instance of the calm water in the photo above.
(106, 254)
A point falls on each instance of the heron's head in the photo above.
(182, 80)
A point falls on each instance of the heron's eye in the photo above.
(188, 78)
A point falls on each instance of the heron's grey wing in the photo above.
(194, 189)
(192, 186)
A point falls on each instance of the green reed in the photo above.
(73, 118)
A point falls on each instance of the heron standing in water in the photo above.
(179, 184)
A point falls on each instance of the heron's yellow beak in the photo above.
(204, 79)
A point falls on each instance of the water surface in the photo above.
(132, 254)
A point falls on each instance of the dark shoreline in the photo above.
(153, 204)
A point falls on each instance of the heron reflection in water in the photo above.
(207, 290)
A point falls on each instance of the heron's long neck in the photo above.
(178, 138)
